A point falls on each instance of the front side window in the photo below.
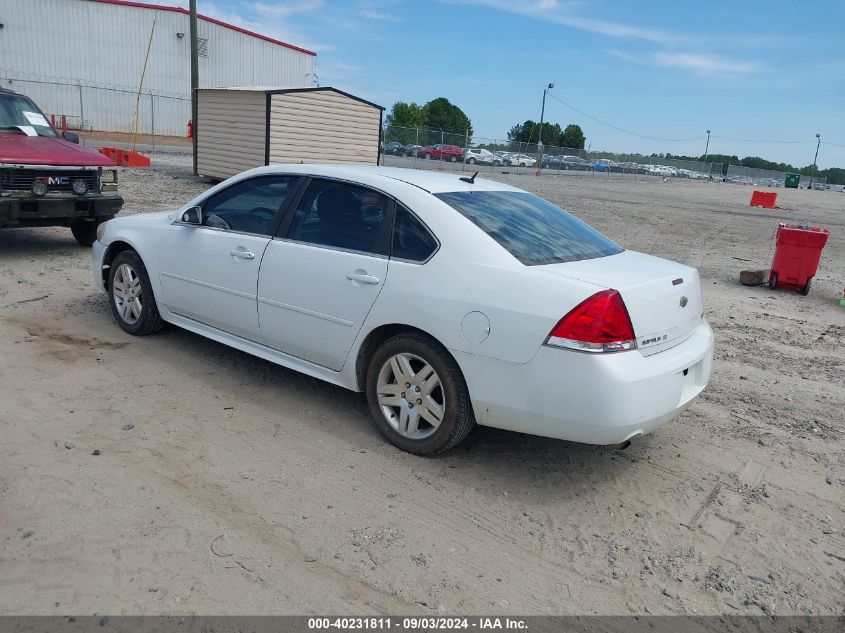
(342, 215)
(249, 206)
(531, 229)
(411, 239)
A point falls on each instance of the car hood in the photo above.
(43, 150)
(156, 217)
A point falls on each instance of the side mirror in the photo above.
(71, 136)
(192, 216)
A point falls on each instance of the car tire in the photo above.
(427, 156)
(142, 316)
(419, 358)
(85, 231)
(453, 159)
(471, 161)
(773, 281)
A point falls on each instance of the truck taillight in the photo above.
(600, 323)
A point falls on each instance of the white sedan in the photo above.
(450, 302)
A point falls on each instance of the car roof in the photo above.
(430, 181)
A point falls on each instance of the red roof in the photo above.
(143, 5)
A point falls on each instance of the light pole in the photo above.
(540, 133)
(815, 158)
(706, 147)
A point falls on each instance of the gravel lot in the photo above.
(225, 484)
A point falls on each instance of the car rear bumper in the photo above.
(56, 210)
(590, 398)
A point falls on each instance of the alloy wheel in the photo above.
(126, 290)
(411, 396)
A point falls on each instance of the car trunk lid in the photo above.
(663, 298)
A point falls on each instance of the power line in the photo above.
(616, 127)
(753, 140)
(682, 140)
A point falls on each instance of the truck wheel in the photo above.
(471, 161)
(85, 231)
(773, 280)
(418, 395)
(132, 302)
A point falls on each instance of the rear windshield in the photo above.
(531, 229)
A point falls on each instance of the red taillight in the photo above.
(598, 324)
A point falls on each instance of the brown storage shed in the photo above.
(241, 128)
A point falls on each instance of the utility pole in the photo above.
(815, 158)
(706, 147)
(540, 133)
(195, 78)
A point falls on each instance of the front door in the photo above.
(209, 272)
(321, 276)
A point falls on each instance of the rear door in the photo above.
(322, 273)
(209, 272)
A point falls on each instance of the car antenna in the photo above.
(469, 180)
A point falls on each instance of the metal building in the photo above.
(84, 59)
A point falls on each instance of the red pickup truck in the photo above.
(47, 178)
(451, 153)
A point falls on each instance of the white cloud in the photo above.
(374, 14)
(558, 13)
(705, 64)
(271, 21)
(279, 10)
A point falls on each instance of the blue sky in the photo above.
(751, 69)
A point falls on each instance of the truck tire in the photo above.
(85, 231)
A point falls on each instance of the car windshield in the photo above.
(531, 229)
(17, 111)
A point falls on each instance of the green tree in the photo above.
(443, 116)
(573, 137)
(402, 122)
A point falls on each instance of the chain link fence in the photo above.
(768, 178)
(437, 149)
(106, 108)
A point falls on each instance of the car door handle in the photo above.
(242, 254)
(364, 278)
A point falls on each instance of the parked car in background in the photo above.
(607, 165)
(448, 303)
(501, 158)
(452, 153)
(475, 155)
(47, 178)
(575, 163)
(522, 160)
(411, 150)
(395, 148)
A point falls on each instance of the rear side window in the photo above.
(411, 239)
(531, 229)
(342, 215)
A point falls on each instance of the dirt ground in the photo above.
(227, 485)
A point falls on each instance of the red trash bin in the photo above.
(797, 254)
